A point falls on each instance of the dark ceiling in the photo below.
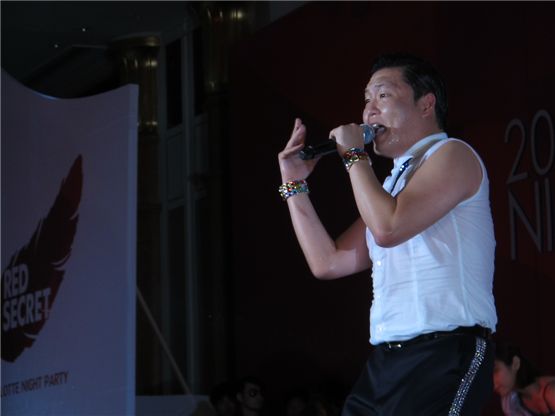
(36, 35)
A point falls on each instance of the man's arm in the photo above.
(451, 175)
(327, 258)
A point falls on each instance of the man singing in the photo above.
(427, 233)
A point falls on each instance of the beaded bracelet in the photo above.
(353, 155)
(292, 188)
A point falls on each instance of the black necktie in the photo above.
(402, 168)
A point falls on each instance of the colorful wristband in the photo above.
(292, 188)
(353, 155)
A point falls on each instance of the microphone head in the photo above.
(369, 132)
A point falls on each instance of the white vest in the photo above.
(441, 278)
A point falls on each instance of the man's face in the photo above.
(389, 102)
(252, 397)
(504, 377)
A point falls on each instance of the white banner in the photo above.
(69, 174)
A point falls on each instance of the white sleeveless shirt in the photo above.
(441, 278)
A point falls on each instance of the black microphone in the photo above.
(329, 146)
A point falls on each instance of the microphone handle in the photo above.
(311, 151)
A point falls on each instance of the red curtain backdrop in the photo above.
(498, 60)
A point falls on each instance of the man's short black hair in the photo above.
(242, 383)
(527, 373)
(421, 76)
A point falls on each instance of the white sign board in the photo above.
(69, 174)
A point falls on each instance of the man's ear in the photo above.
(427, 104)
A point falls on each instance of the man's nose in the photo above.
(370, 108)
(367, 114)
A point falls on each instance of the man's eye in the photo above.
(383, 94)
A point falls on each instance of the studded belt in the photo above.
(476, 330)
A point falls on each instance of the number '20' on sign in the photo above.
(541, 229)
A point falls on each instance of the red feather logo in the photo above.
(31, 280)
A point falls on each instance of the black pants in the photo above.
(447, 376)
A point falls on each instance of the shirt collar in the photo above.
(398, 161)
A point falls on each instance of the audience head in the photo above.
(512, 371)
(223, 400)
(296, 402)
(250, 394)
